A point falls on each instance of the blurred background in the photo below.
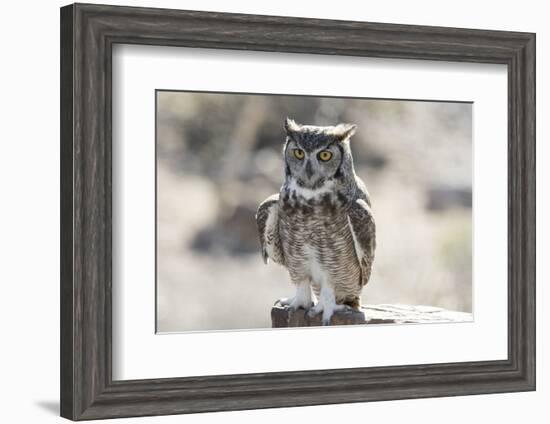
(220, 155)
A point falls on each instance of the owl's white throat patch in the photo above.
(309, 193)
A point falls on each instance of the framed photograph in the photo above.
(262, 212)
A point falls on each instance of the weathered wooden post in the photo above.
(282, 316)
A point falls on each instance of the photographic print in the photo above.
(297, 211)
(252, 182)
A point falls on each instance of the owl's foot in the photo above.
(327, 311)
(315, 310)
(321, 308)
(301, 300)
(294, 303)
(284, 301)
(344, 308)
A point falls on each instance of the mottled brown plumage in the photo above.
(320, 226)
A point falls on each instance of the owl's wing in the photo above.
(363, 229)
(267, 219)
(362, 192)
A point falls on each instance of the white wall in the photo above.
(29, 228)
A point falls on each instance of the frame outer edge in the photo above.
(522, 212)
(67, 382)
(87, 391)
(529, 202)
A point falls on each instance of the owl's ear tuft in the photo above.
(291, 126)
(344, 131)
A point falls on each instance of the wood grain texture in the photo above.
(88, 33)
(283, 316)
(66, 214)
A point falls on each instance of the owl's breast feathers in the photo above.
(267, 219)
(331, 224)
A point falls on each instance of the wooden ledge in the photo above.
(282, 316)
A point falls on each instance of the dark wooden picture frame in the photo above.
(88, 33)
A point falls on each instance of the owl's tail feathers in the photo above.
(354, 302)
(265, 256)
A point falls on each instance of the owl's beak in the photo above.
(306, 177)
(309, 170)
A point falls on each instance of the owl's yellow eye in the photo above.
(325, 155)
(298, 154)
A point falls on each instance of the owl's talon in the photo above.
(327, 317)
(294, 308)
(313, 311)
(343, 308)
(301, 300)
(284, 301)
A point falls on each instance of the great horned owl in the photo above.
(320, 225)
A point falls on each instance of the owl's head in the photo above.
(315, 154)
